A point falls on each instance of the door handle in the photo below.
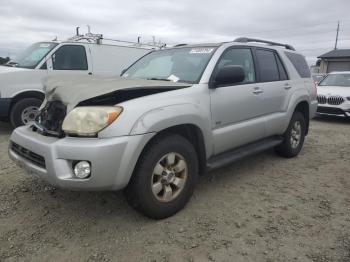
(287, 86)
(257, 90)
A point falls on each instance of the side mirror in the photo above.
(230, 74)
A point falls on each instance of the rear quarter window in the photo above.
(299, 64)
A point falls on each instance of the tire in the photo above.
(20, 108)
(289, 148)
(158, 205)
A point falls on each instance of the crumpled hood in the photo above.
(73, 89)
(334, 90)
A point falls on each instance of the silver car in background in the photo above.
(333, 94)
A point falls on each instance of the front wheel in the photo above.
(164, 178)
(294, 136)
(25, 111)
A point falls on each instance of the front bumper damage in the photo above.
(51, 158)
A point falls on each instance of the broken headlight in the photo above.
(89, 120)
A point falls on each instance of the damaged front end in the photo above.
(50, 119)
(65, 94)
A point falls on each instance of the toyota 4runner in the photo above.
(172, 115)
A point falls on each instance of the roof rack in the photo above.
(97, 39)
(246, 40)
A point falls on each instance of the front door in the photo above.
(237, 110)
(70, 59)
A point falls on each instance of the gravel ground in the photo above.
(263, 208)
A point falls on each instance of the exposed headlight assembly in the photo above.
(89, 120)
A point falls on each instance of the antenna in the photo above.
(336, 38)
(77, 30)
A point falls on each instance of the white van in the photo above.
(21, 89)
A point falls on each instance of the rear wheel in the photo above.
(25, 111)
(164, 178)
(293, 137)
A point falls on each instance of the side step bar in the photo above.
(227, 158)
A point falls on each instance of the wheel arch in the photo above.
(27, 94)
(192, 133)
(304, 108)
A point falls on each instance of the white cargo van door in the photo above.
(70, 59)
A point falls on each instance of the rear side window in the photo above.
(268, 68)
(281, 69)
(299, 64)
(70, 57)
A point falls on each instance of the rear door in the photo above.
(237, 109)
(70, 59)
(273, 79)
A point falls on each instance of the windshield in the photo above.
(336, 80)
(32, 55)
(179, 65)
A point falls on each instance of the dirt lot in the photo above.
(264, 208)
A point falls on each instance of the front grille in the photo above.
(321, 99)
(335, 100)
(330, 110)
(29, 155)
(49, 122)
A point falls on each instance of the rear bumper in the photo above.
(5, 104)
(112, 159)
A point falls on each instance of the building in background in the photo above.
(335, 60)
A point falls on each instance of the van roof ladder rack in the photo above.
(247, 40)
(97, 39)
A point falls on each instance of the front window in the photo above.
(70, 57)
(185, 64)
(336, 80)
(32, 56)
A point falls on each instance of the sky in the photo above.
(310, 26)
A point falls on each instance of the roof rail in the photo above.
(180, 45)
(246, 40)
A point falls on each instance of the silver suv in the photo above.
(172, 115)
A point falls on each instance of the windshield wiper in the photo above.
(160, 79)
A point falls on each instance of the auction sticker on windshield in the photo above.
(202, 50)
(44, 45)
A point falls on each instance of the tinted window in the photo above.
(281, 69)
(268, 69)
(70, 57)
(241, 57)
(299, 64)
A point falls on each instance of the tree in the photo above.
(4, 60)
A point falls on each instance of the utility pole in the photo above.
(336, 38)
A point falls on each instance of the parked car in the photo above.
(21, 92)
(174, 114)
(334, 94)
